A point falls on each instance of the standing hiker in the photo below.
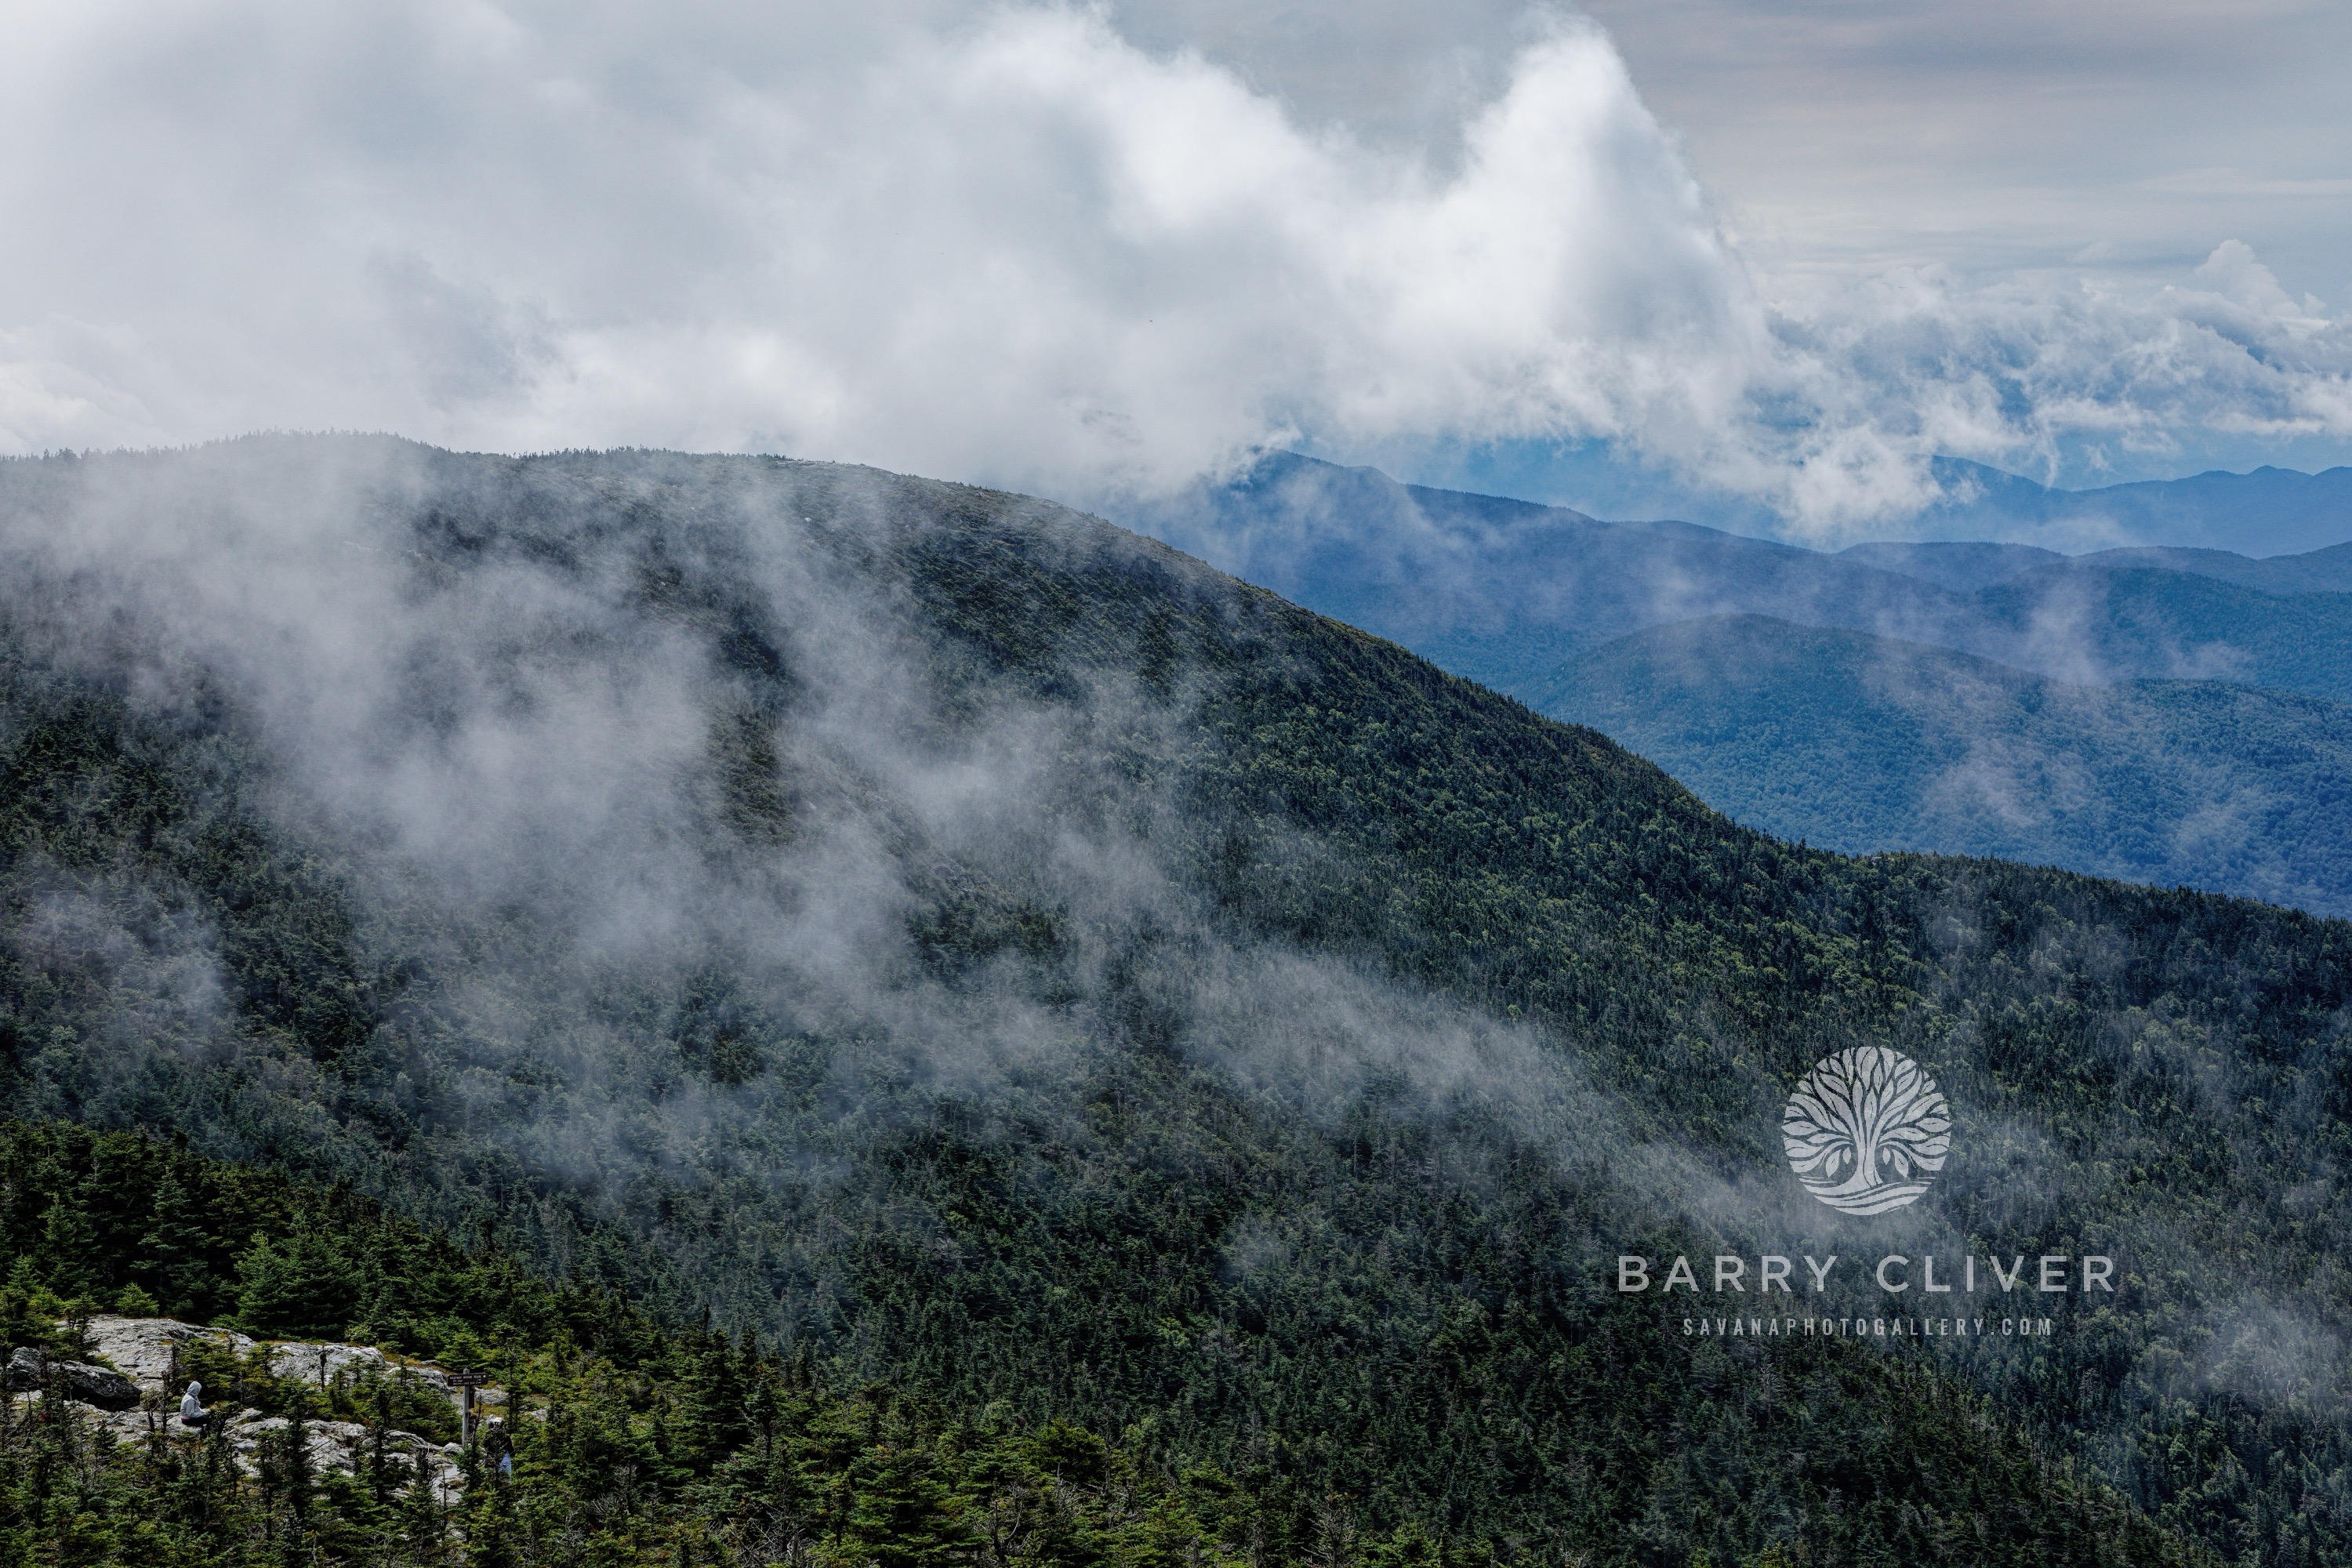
(498, 1449)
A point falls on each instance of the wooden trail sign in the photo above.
(468, 1382)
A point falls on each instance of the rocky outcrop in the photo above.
(30, 1369)
(147, 1355)
(322, 1362)
(346, 1446)
(147, 1349)
(342, 1446)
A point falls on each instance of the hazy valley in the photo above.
(2157, 713)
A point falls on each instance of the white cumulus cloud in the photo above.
(1005, 245)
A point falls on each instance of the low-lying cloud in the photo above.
(501, 707)
(1007, 246)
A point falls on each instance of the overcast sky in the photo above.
(2121, 137)
(1785, 251)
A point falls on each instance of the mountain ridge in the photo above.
(2270, 510)
(1504, 592)
(998, 955)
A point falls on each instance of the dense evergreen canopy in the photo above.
(1038, 973)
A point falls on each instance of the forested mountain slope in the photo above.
(983, 949)
(1534, 601)
(621, 1441)
(1967, 565)
(2327, 570)
(1961, 565)
(1864, 743)
(1503, 590)
(2102, 624)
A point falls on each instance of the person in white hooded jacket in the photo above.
(192, 1406)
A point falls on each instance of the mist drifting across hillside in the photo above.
(988, 949)
(1864, 744)
(703, 811)
(1502, 589)
(1582, 619)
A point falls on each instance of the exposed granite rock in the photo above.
(319, 1363)
(145, 1353)
(144, 1347)
(338, 1445)
(344, 1445)
(30, 1369)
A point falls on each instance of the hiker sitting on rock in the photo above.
(192, 1407)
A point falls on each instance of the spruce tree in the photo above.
(422, 1532)
(305, 1290)
(174, 1251)
(69, 1243)
(20, 1323)
(901, 1518)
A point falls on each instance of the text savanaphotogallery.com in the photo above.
(1900, 1327)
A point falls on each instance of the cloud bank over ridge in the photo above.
(1003, 244)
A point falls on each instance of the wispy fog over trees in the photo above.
(974, 950)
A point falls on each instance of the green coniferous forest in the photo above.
(1858, 742)
(1030, 984)
(637, 1442)
(631, 1442)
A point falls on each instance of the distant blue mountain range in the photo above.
(2269, 512)
(1864, 743)
(2172, 711)
(1504, 590)
(1969, 566)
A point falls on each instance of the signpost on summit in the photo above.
(468, 1382)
